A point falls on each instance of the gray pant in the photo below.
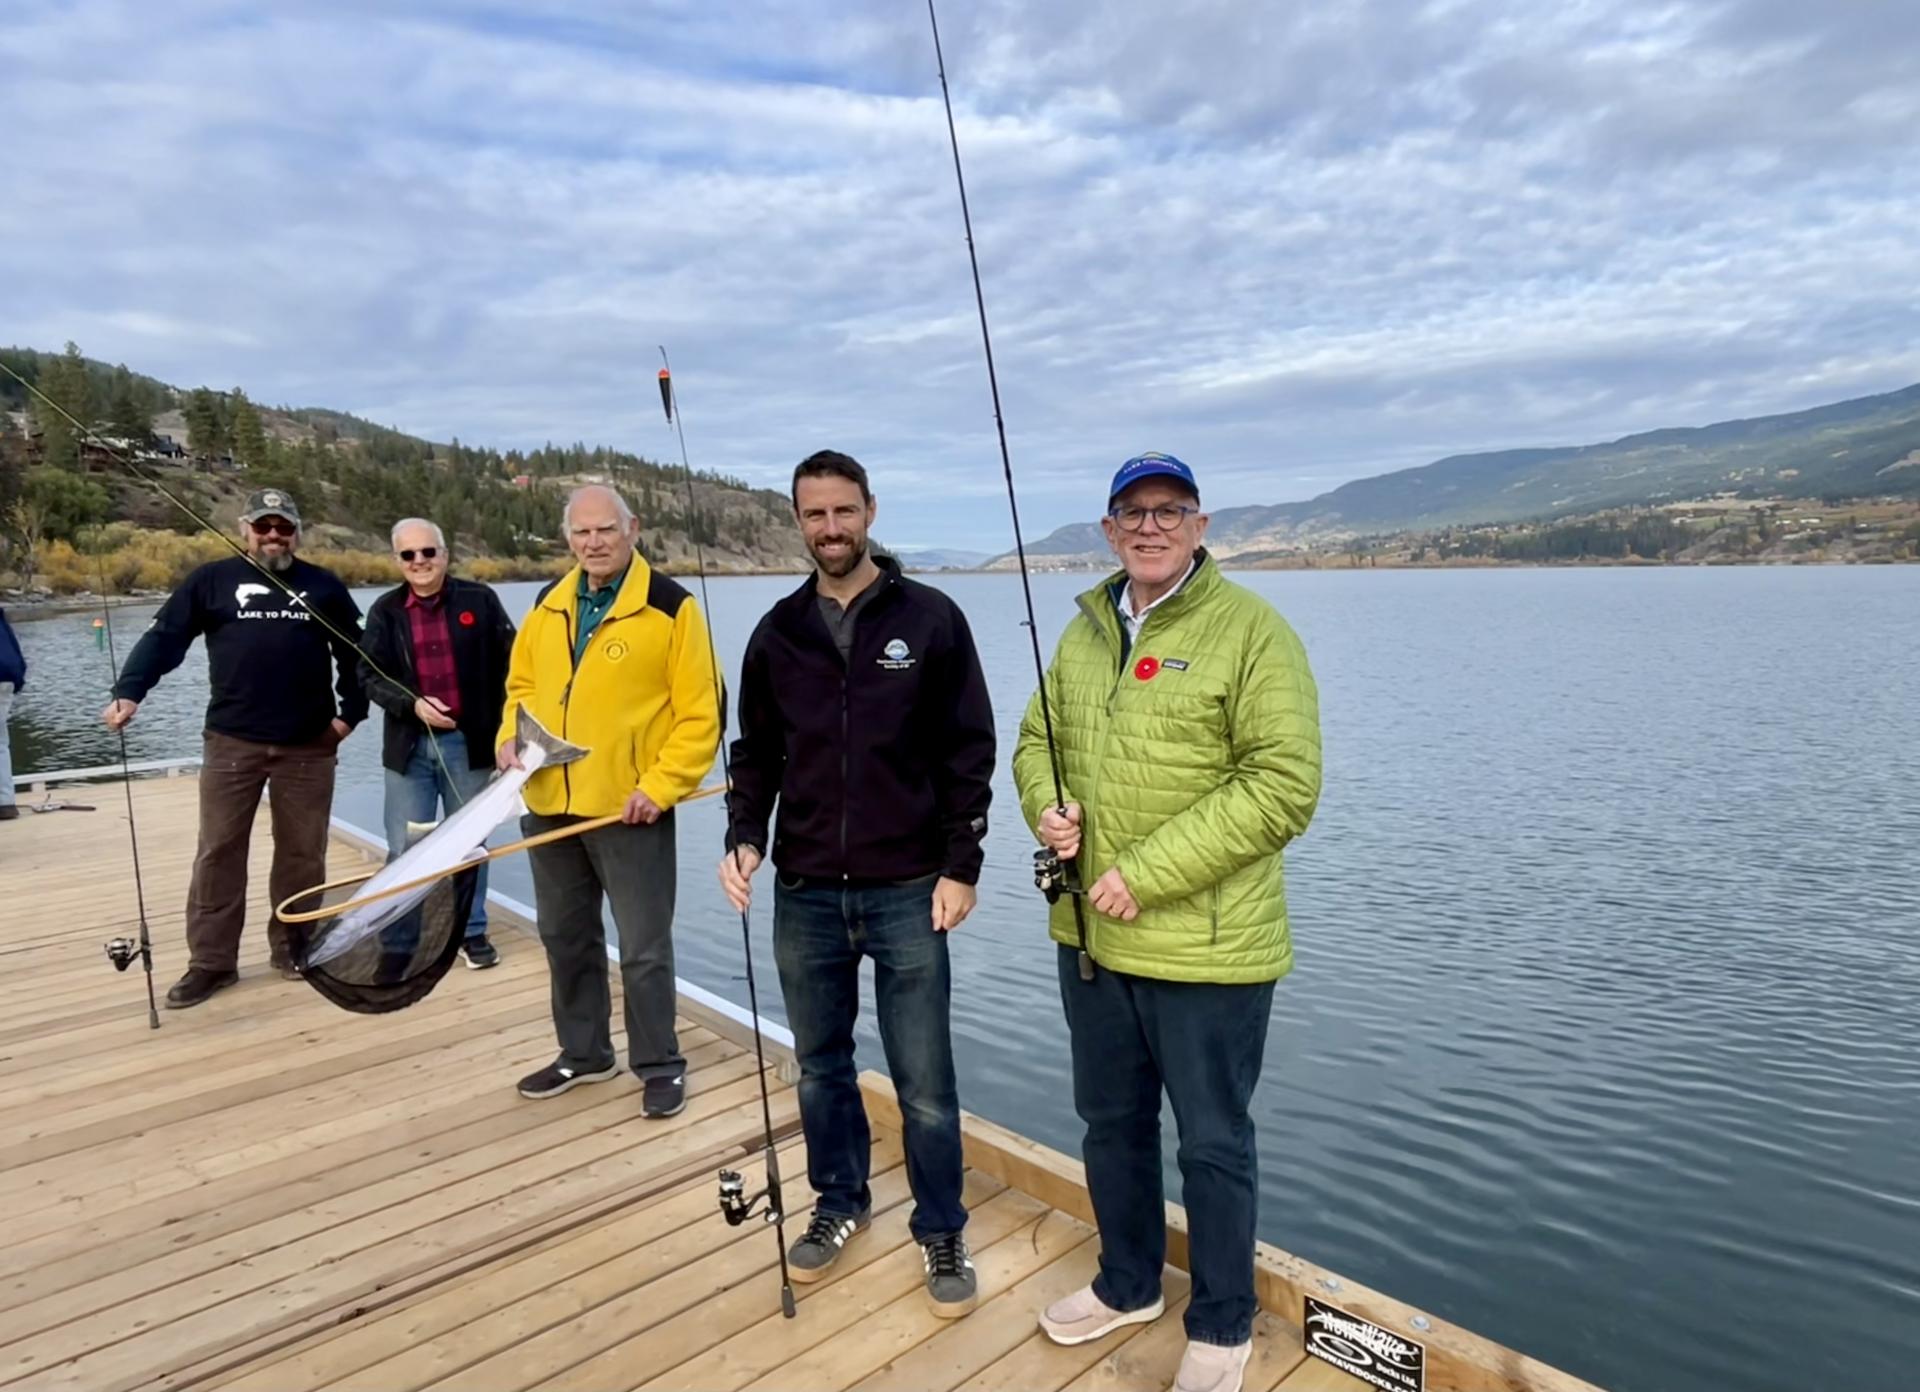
(634, 867)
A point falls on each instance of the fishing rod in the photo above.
(122, 951)
(1052, 874)
(734, 1201)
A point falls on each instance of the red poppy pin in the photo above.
(1147, 668)
(466, 618)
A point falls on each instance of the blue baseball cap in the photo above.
(1152, 464)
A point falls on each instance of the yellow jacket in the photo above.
(642, 700)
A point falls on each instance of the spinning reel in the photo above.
(737, 1208)
(1053, 876)
(123, 952)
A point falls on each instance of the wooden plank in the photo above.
(784, 1348)
(308, 1163)
(896, 1328)
(118, 1366)
(1038, 1362)
(228, 1264)
(620, 1362)
(525, 1293)
(1314, 1376)
(142, 1168)
(1000, 1325)
(247, 1229)
(1457, 1359)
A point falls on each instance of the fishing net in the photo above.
(400, 962)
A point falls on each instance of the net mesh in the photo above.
(401, 962)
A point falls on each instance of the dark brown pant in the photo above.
(231, 777)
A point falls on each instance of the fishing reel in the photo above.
(123, 952)
(1053, 876)
(737, 1208)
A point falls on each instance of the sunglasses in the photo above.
(274, 526)
(425, 553)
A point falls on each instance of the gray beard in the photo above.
(276, 563)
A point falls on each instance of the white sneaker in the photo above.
(1084, 1316)
(1213, 1367)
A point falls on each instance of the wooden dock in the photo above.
(269, 1193)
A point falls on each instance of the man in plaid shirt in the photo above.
(449, 642)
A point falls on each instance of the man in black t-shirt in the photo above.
(274, 668)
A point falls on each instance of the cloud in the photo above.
(1292, 245)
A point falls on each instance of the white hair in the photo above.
(619, 505)
(439, 537)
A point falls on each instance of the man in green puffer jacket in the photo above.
(1188, 733)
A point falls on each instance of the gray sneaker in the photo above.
(951, 1288)
(820, 1245)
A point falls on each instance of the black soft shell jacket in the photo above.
(881, 764)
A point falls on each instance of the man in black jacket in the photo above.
(273, 624)
(449, 641)
(864, 712)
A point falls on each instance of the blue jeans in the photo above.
(418, 795)
(821, 929)
(1203, 1042)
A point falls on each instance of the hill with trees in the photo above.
(64, 488)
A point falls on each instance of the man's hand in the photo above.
(1061, 834)
(1111, 897)
(119, 712)
(736, 869)
(640, 810)
(952, 902)
(433, 713)
(507, 756)
(340, 729)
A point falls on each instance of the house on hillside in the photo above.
(163, 447)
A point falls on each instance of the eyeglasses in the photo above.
(425, 553)
(274, 526)
(1167, 516)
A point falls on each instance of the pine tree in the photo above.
(66, 382)
(206, 432)
(249, 437)
(128, 410)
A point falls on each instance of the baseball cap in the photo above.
(1152, 464)
(271, 502)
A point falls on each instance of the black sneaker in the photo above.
(557, 1078)
(951, 1288)
(9, 811)
(284, 965)
(820, 1245)
(197, 985)
(480, 953)
(664, 1097)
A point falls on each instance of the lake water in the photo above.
(1604, 1038)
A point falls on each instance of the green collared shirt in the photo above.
(594, 605)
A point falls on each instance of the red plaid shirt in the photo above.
(433, 649)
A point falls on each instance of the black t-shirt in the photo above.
(268, 655)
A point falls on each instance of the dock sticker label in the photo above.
(1374, 1355)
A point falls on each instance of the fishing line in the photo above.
(734, 1202)
(1052, 875)
(126, 461)
(121, 951)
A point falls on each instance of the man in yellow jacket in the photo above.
(613, 657)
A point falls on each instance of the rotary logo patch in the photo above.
(1147, 668)
(616, 650)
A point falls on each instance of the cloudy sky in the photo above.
(1293, 243)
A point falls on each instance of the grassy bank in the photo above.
(129, 561)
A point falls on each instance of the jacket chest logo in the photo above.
(898, 657)
(1147, 668)
(616, 650)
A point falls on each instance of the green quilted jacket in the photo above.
(1195, 758)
